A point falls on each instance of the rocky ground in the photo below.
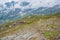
(47, 28)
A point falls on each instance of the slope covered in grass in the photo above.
(47, 26)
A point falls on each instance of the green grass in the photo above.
(51, 34)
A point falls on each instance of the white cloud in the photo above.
(34, 3)
(44, 3)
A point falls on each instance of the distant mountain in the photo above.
(9, 12)
(10, 4)
(24, 3)
(46, 10)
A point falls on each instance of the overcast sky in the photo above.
(34, 3)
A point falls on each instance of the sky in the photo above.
(33, 3)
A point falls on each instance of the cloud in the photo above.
(25, 4)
